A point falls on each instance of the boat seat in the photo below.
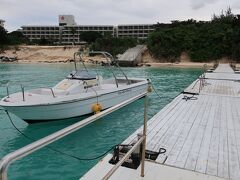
(90, 83)
(64, 85)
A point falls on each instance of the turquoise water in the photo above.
(89, 141)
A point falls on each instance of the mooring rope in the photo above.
(185, 97)
(155, 90)
(55, 150)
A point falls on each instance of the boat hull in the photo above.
(74, 108)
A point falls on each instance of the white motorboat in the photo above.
(81, 92)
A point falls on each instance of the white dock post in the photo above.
(144, 135)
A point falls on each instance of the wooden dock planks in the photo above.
(201, 135)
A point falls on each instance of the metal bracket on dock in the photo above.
(140, 141)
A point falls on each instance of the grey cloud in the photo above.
(236, 5)
(108, 12)
(197, 4)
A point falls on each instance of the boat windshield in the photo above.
(82, 75)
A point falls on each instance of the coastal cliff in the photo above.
(64, 54)
(26, 54)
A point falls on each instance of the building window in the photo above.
(62, 24)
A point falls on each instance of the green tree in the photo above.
(90, 36)
(16, 38)
(43, 41)
(203, 41)
(113, 45)
(3, 36)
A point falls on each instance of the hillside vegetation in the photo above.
(113, 45)
(202, 41)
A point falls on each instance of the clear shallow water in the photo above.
(89, 141)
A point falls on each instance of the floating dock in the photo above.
(200, 130)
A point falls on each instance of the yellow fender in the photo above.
(149, 89)
(96, 108)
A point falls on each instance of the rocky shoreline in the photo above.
(8, 59)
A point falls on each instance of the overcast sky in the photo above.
(109, 12)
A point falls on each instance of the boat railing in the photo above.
(28, 149)
(23, 91)
(80, 53)
(106, 55)
(52, 92)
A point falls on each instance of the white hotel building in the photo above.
(68, 31)
(139, 31)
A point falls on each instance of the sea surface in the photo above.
(88, 142)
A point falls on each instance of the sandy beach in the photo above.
(63, 54)
(38, 54)
(182, 64)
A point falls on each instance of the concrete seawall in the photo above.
(132, 56)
